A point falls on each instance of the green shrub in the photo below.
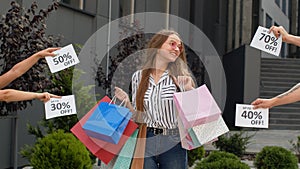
(59, 150)
(296, 147)
(274, 157)
(195, 154)
(221, 160)
(233, 143)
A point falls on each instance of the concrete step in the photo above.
(283, 127)
(287, 108)
(275, 88)
(286, 121)
(277, 84)
(280, 65)
(279, 79)
(281, 61)
(281, 74)
(279, 70)
(284, 115)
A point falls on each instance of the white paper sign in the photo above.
(267, 42)
(65, 57)
(60, 107)
(245, 116)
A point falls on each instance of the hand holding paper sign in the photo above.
(246, 116)
(60, 107)
(65, 57)
(265, 40)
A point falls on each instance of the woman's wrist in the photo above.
(189, 88)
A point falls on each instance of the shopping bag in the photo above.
(80, 133)
(110, 150)
(205, 133)
(123, 159)
(188, 139)
(199, 135)
(139, 152)
(196, 107)
(103, 150)
(107, 122)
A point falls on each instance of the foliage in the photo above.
(62, 85)
(221, 160)
(22, 33)
(233, 143)
(296, 146)
(274, 157)
(134, 42)
(59, 150)
(195, 154)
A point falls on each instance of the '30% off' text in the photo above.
(60, 107)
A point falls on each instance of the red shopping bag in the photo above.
(103, 150)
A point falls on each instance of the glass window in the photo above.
(85, 5)
(282, 52)
(284, 6)
(126, 7)
(278, 3)
(268, 21)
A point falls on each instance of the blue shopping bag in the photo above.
(107, 122)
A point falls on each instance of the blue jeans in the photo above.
(164, 152)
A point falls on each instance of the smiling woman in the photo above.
(152, 95)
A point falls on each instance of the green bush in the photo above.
(221, 160)
(233, 143)
(296, 147)
(59, 150)
(195, 154)
(274, 157)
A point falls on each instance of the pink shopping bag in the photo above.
(199, 135)
(196, 107)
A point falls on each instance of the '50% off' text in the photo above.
(65, 57)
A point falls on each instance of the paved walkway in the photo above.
(264, 138)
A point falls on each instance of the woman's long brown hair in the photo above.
(179, 67)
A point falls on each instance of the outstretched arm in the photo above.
(23, 66)
(10, 95)
(292, 95)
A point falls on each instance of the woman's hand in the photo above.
(263, 103)
(122, 95)
(279, 30)
(186, 82)
(44, 97)
(46, 52)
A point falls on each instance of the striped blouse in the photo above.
(158, 101)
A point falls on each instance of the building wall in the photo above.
(275, 12)
(228, 24)
(240, 23)
(75, 26)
